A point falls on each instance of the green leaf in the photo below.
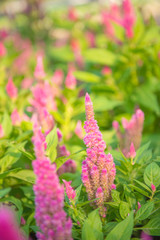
(139, 190)
(115, 196)
(101, 103)
(52, 141)
(78, 192)
(25, 175)
(4, 191)
(143, 185)
(140, 151)
(152, 175)
(12, 155)
(153, 226)
(100, 56)
(144, 211)
(7, 124)
(92, 224)
(123, 230)
(86, 77)
(124, 209)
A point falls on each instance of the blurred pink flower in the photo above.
(132, 152)
(106, 70)
(1, 131)
(58, 77)
(39, 70)
(71, 194)
(91, 39)
(145, 236)
(11, 89)
(153, 187)
(72, 14)
(2, 50)
(70, 80)
(15, 117)
(79, 130)
(27, 83)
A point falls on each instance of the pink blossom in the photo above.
(59, 134)
(139, 205)
(2, 50)
(98, 169)
(8, 227)
(70, 80)
(145, 236)
(115, 125)
(91, 39)
(1, 131)
(132, 152)
(58, 77)
(15, 117)
(106, 70)
(153, 187)
(39, 70)
(72, 14)
(49, 197)
(11, 89)
(78, 129)
(71, 194)
(27, 83)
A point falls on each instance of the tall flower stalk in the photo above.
(98, 169)
(49, 196)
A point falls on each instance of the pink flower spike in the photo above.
(132, 152)
(113, 186)
(58, 77)
(39, 70)
(70, 81)
(2, 50)
(11, 89)
(1, 131)
(15, 117)
(115, 125)
(78, 129)
(71, 194)
(139, 205)
(59, 134)
(153, 187)
(125, 123)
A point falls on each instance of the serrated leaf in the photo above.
(144, 211)
(123, 230)
(124, 209)
(139, 190)
(4, 191)
(152, 175)
(153, 226)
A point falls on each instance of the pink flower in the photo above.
(8, 227)
(91, 39)
(72, 14)
(1, 131)
(139, 205)
(98, 169)
(27, 83)
(70, 80)
(49, 196)
(2, 50)
(106, 70)
(59, 134)
(115, 125)
(11, 89)
(153, 187)
(71, 194)
(39, 70)
(132, 152)
(145, 236)
(78, 129)
(58, 77)
(15, 117)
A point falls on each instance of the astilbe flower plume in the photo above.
(49, 196)
(132, 132)
(9, 229)
(98, 169)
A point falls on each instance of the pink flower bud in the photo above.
(2, 50)
(153, 187)
(1, 131)
(39, 70)
(132, 152)
(115, 125)
(113, 186)
(11, 89)
(71, 194)
(58, 77)
(15, 117)
(78, 129)
(70, 81)
(106, 71)
(139, 205)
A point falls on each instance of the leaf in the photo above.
(4, 191)
(144, 211)
(52, 141)
(152, 175)
(123, 230)
(140, 151)
(12, 155)
(109, 226)
(124, 209)
(7, 124)
(139, 190)
(115, 196)
(92, 224)
(78, 192)
(153, 226)
(25, 175)
(86, 77)
(101, 103)
(143, 185)
(100, 56)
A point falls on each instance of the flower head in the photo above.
(39, 70)
(11, 89)
(71, 194)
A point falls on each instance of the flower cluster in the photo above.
(132, 132)
(49, 196)
(98, 169)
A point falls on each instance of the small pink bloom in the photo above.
(39, 70)
(59, 134)
(153, 187)
(132, 152)
(91, 39)
(27, 83)
(106, 70)
(70, 81)
(11, 89)
(145, 236)
(115, 125)
(78, 129)
(1, 131)
(125, 123)
(2, 50)
(113, 186)
(15, 117)
(139, 205)
(71, 194)
(72, 14)
(58, 77)
(23, 222)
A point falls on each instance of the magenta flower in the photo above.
(49, 197)
(8, 227)
(58, 77)
(1, 131)
(132, 133)
(139, 205)
(153, 187)
(78, 129)
(71, 194)
(98, 169)
(70, 80)
(39, 70)
(145, 236)
(2, 50)
(11, 89)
